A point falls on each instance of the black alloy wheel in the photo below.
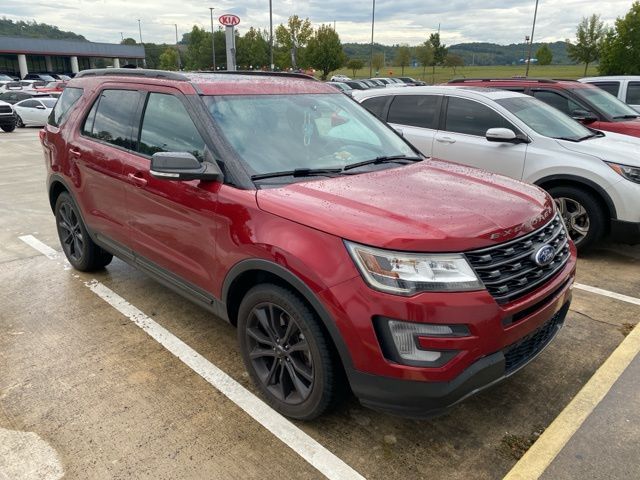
(70, 232)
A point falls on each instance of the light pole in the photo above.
(178, 49)
(271, 34)
(533, 29)
(213, 41)
(373, 20)
(144, 60)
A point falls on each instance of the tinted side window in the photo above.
(611, 87)
(562, 103)
(167, 127)
(473, 118)
(415, 110)
(633, 93)
(376, 106)
(30, 104)
(113, 118)
(68, 98)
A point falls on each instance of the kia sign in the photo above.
(229, 20)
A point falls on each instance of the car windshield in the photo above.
(274, 133)
(49, 102)
(5, 78)
(46, 78)
(544, 119)
(606, 102)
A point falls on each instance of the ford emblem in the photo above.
(544, 255)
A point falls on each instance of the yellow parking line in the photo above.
(533, 464)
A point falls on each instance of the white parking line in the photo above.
(607, 293)
(301, 443)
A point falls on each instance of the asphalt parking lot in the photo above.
(107, 400)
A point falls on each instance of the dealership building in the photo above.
(21, 55)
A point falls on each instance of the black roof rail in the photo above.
(260, 73)
(522, 79)
(132, 72)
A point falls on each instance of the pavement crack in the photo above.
(595, 319)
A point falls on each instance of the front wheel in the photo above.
(8, 128)
(83, 254)
(286, 353)
(582, 214)
(19, 122)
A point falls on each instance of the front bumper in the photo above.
(429, 399)
(625, 232)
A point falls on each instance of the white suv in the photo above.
(625, 87)
(594, 177)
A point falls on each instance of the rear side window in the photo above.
(610, 87)
(167, 127)
(29, 104)
(562, 103)
(633, 93)
(473, 118)
(376, 105)
(68, 98)
(111, 118)
(415, 110)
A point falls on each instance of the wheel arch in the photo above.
(56, 187)
(570, 180)
(249, 273)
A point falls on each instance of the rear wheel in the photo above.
(19, 122)
(582, 213)
(8, 128)
(83, 254)
(286, 353)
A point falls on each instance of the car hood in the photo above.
(432, 206)
(613, 147)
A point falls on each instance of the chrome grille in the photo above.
(509, 271)
(5, 109)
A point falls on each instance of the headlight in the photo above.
(630, 173)
(409, 273)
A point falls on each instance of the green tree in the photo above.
(129, 41)
(424, 53)
(620, 51)
(544, 55)
(439, 49)
(354, 65)
(453, 61)
(294, 37)
(252, 49)
(199, 49)
(403, 57)
(169, 59)
(324, 52)
(378, 62)
(589, 36)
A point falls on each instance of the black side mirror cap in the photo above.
(583, 116)
(183, 166)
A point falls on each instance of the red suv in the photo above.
(342, 255)
(582, 101)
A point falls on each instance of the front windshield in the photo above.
(544, 119)
(275, 133)
(606, 102)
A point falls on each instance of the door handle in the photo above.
(446, 140)
(75, 152)
(137, 179)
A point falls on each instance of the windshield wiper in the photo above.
(625, 116)
(383, 159)
(298, 172)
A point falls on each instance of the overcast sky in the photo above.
(397, 21)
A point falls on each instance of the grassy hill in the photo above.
(35, 30)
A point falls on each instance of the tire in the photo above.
(300, 348)
(582, 213)
(8, 128)
(83, 254)
(19, 122)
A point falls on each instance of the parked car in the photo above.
(584, 102)
(44, 77)
(340, 78)
(412, 82)
(61, 77)
(7, 117)
(282, 206)
(593, 177)
(372, 83)
(57, 86)
(625, 87)
(33, 112)
(15, 96)
(343, 87)
(392, 82)
(10, 76)
(357, 84)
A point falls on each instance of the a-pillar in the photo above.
(116, 63)
(74, 65)
(22, 64)
(48, 64)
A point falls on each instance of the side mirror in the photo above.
(583, 116)
(183, 166)
(503, 135)
(399, 131)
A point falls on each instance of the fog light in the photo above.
(405, 335)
